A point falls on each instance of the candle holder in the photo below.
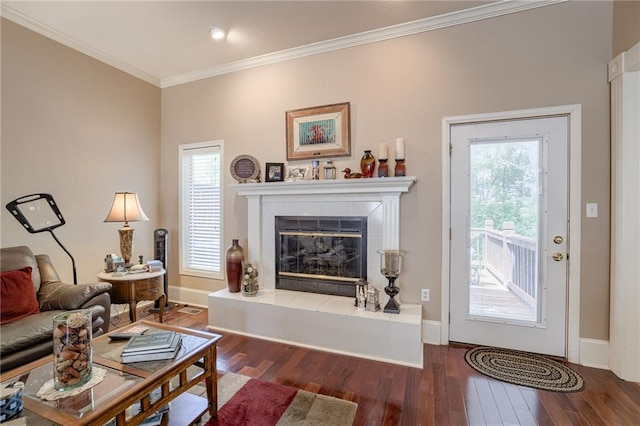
(383, 168)
(400, 168)
(390, 267)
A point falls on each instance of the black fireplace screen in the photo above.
(321, 254)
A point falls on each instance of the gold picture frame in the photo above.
(319, 132)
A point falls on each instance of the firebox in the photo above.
(326, 254)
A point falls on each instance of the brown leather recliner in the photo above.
(30, 338)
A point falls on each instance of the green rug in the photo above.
(524, 369)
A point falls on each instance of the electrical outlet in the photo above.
(426, 294)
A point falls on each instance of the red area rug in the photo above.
(246, 401)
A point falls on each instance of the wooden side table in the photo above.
(132, 288)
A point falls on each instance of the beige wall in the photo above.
(555, 55)
(626, 25)
(79, 130)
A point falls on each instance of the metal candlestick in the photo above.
(390, 267)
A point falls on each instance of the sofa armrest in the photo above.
(104, 301)
(57, 295)
(45, 267)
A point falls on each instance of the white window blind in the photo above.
(201, 209)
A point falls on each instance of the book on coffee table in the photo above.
(153, 354)
(149, 341)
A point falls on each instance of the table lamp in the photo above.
(126, 208)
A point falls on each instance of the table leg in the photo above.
(132, 311)
(212, 382)
(162, 301)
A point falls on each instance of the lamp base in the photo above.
(126, 244)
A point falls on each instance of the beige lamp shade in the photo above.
(126, 208)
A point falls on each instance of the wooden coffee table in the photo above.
(126, 384)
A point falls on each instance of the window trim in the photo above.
(182, 270)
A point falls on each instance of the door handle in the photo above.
(557, 257)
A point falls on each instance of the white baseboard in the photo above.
(594, 353)
(121, 309)
(188, 296)
(183, 296)
(431, 331)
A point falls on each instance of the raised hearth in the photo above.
(320, 321)
(325, 322)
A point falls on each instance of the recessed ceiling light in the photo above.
(217, 33)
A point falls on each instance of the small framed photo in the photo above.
(296, 173)
(319, 132)
(275, 172)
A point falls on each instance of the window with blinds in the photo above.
(201, 209)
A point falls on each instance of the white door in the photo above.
(509, 229)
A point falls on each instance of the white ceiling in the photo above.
(167, 42)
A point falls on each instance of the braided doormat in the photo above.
(525, 369)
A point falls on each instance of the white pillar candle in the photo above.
(384, 151)
(400, 148)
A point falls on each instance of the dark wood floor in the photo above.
(445, 392)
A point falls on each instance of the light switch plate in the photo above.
(592, 209)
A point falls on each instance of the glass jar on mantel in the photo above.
(234, 257)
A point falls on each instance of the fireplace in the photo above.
(323, 254)
(323, 321)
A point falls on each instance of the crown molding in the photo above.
(45, 30)
(478, 13)
(492, 10)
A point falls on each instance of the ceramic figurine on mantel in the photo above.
(349, 175)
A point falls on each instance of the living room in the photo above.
(82, 130)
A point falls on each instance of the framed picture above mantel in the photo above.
(319, 132)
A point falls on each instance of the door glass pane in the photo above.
(504, 184)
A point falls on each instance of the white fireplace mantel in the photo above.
(376, 198)
(393, 185)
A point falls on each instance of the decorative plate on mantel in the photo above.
(245, 169)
